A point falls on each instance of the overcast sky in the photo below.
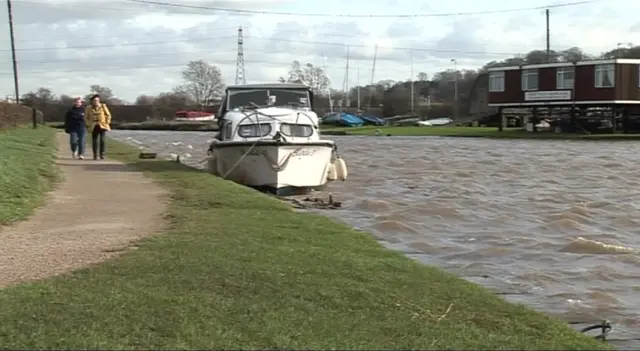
(137, 49)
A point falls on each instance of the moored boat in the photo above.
(269, 139)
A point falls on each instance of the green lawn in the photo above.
(238, 269)
(473, 132)
(27, 170)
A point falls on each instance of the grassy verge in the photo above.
(472, 132)
(27, 170)
(238, 269)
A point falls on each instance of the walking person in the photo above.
(74, 125)
(98, 120)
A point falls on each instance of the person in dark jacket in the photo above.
(74, 125)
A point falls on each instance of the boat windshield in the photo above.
(247, 98)
(291, 98)
(295, 98)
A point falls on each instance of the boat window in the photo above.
(247, 98)
(296, 130)
(291, 98)
(228, 131)
(254, 130)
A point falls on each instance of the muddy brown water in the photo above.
(552, 224)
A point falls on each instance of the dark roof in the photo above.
(268, 85)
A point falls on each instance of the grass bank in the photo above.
(471, 132)
(27, 170)
(239, 269)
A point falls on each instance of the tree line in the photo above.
(434, 96)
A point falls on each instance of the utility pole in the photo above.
(13, 54)
(455, 88)
(546, 12)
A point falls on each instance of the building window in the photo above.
(529, 79)
(496, 82)
(564, 78)
(605, 76)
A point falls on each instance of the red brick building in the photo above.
(603, 84)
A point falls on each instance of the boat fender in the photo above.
(341, 168)
(331, 172)
(212, 165)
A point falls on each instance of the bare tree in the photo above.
(313, 77)
(38, 98)
(423, 77)
(145, 100)
(203, 82)
(66, 99)
(106, 95)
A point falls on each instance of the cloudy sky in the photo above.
(136, 48)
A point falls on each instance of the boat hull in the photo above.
(282, 168)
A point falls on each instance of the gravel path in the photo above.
(97, 212)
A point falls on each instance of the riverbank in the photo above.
(238, 268)
(27, 170)
(470, 132)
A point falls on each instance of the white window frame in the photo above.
(562, 82)
(496, 82)
(527, 77)
(599, 74)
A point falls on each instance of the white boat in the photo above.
(269, 139)
(194, 116)
(435, 122)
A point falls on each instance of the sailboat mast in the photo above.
(324, 68)
(412, 81)
(346, 81)
(358, 81)
(373, 73)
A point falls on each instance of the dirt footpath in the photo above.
(98, 211)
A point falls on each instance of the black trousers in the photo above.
(97, 141)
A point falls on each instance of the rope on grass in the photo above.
(604, 327)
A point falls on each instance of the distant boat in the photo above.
(343, 118)
(436, 122)
(373, 120)
(194, 116)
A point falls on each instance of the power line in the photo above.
(168, 54)
(269, 39)
(280, 13)
(76, 47)
(169, 65)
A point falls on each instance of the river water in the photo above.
(552, 224)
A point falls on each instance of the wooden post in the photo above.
(34, 117)
(535, 119)
(501, 113)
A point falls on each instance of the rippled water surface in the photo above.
(553, 224)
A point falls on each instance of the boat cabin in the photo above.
(259, 111)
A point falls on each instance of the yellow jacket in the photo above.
(99, 116)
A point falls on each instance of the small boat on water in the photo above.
(194, 116)
(269, 139)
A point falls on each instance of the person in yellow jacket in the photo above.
(98, 120)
